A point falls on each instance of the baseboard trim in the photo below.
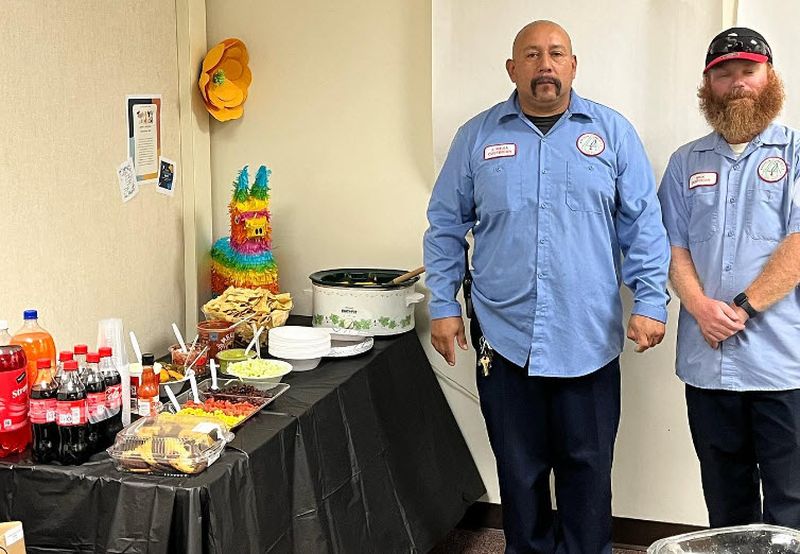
(626, 532)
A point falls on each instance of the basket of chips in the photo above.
(259, 307)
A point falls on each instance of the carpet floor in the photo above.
(484, 541)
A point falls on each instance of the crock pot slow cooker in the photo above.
(364, 300)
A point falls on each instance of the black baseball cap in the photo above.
(737, 43)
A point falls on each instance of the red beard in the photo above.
(741, 115)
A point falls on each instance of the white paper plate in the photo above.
(297, 333)
(345, 349)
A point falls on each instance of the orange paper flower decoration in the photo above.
(224, 79)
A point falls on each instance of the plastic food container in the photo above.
(233, 355)
(179, 357)
(168, 444)
(743, 539)
(217, 334)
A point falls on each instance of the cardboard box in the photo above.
(11, 538)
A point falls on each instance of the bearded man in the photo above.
(730, 205)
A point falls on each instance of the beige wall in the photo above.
(70, 246)
(340, 110)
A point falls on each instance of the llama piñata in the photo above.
(245, 258)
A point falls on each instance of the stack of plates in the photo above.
(303, 347)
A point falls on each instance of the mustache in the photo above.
(739, 94)
(536, 81)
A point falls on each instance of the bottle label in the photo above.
(146, 407)
(134, 387)
(43, 410)
(71, 413)
(13, 400)
(114, 399)
(96, 407)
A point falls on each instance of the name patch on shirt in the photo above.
(772, 170)
(499, 151)
(590, 144)
(704, 179)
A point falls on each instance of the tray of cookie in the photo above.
(170, 444)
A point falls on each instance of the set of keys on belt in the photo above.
(485, 356)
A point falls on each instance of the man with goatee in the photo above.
(730, 205)
(556, 190)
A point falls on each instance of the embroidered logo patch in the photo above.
(772, 170)
(704, 179)
(499, 151)
(591, 144)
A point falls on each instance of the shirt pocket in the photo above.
(704, 214)
(765, 217)
(498, 186)
(590, 189)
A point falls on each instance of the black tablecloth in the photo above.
(360, 455)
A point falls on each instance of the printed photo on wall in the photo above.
(166, 177)
(144, 136)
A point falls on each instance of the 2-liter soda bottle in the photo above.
(35, 341)
(15, 433)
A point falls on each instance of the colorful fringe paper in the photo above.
(245, 258)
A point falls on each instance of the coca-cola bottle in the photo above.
(71, 417)
(80, 351)
(63, 356)
(95, 402)
(113, 382)
(43, 413)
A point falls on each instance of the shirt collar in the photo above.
(577, 107)
(774, 135)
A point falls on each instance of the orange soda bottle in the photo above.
(36, 342)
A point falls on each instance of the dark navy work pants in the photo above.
(747, 441)
(539, 424)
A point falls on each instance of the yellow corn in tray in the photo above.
(230, 421)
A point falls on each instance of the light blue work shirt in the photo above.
(550, 216)
(731, 213)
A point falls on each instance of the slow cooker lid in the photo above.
(360, 278)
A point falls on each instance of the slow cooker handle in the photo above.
(414, 298)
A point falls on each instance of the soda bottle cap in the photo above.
(70, 365)
(30, 314)
(148, 358)
(93, 357)
(43, 363)
(3, 324)
(105, 351)
(64, 355)
(81, 349)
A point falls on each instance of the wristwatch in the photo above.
(743, 302)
